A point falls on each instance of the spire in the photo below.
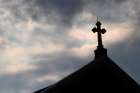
(100, 49)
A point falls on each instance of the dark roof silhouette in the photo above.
(99, 76)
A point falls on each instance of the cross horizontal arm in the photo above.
(103, 31)
(94, 30)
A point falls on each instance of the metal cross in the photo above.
(99, 33)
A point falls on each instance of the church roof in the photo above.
(100, 75)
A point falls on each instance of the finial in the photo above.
(98, 24)
(97, 18)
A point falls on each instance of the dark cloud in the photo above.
(53, 11)
(110, 10)
(60, 13)
(65, 8)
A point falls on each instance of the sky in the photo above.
(42, 41)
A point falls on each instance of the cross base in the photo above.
(99, 52)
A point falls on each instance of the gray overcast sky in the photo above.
(42, 41)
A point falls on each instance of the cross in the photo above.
(99, 33)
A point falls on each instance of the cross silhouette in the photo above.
(99, 33)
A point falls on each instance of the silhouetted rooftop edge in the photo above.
(99, 76)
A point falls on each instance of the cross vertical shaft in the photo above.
(100, 45)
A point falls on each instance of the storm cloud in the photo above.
(42, 41)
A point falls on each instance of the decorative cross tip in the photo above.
(98, 24)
